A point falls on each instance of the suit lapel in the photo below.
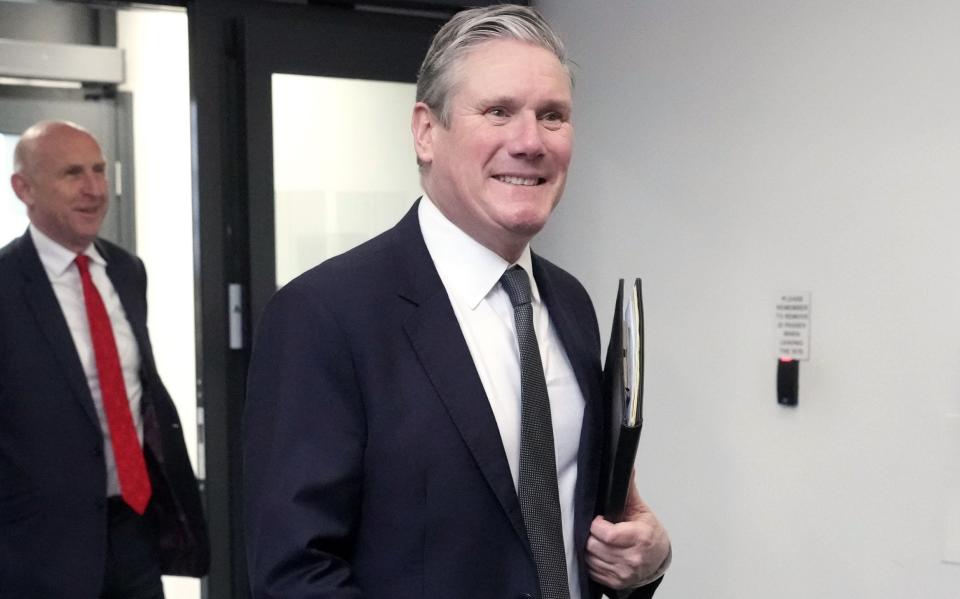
(46, 309)
(128, 293)
(436, 338)
(131, 293)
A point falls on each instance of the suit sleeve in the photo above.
(646, 591)
(304, 435)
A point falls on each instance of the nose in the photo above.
(527, 137)
(95, 183)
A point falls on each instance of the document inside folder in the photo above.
(633, 357)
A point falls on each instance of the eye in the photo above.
(497, 114)
(553, 120)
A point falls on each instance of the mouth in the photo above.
(524, 181)
(89, 210)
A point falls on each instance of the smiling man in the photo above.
(424, 412)
(495, 160)
(97, 496)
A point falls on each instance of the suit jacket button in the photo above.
(98, 452)
(100, 504)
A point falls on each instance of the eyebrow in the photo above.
(508, 101)
(78, 167)
(497, 101)
(559, 106)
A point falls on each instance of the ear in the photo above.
(21, 187)
(423, 125)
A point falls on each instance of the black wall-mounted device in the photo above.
(788, 374)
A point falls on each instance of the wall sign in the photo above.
(793, 325)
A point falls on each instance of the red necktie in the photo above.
(131, 468)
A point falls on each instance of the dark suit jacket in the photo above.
(52, 474)
(373, 462)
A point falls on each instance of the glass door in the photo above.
(344, 168)
(330, 154)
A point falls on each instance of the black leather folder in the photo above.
(623, 401)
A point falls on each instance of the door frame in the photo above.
(235, 46)
(343, 44)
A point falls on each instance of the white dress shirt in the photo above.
(471, 274)
(58, 262)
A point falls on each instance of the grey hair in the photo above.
(468, 29)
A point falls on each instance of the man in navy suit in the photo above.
(383, 426)
(97, 496)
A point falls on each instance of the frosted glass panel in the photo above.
(343, 164)
(13, 212)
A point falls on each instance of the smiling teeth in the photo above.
(517, 180)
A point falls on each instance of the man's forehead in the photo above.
(68, 146)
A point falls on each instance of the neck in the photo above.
(508, 246)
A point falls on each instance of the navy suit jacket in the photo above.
(373, 463)
(53, 518)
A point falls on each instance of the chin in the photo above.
(532, 218)
(527, 228)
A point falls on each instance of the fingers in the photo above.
(616, 569)
(622, 555)
(605, 574)
(639, 531)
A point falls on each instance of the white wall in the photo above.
(155, 43)
(727, 151)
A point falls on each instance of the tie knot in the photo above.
(517, 285)
(82, 263)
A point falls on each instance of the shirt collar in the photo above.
(467, 268)
(55, 258)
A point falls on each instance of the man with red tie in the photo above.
(97, 495)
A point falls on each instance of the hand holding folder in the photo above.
(623, 401)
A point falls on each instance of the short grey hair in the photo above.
(468, 29)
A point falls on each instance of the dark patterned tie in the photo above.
(539, 497)
(135, 485)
